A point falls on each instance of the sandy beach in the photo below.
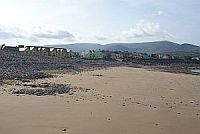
(118, 100)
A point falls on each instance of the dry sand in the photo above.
(124, 101)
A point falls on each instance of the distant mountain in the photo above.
(157, 47)
(146, 47)
(190, 47)
(114, 47)
(79, 47)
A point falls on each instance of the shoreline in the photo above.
(33, 67)
(112, 100)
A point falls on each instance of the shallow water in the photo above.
(195, 70)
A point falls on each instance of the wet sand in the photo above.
(119, 100)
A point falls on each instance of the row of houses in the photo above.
(38, 50)
(111, 55)
(92, 54)
(121, 55)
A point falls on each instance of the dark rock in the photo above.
(33, 85)
(50, 90)
(71, 93)
(99, 75)
(64, 129)
(26, 81)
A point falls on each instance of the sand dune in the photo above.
(119, 100)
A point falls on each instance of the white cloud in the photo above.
(58, 35)
(140, 2)
(101, 37)
(139, 31)
(14, 32)
(160, 12)
(34, 33)
(145, 29)
(48, 34)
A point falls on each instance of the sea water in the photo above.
(195, 70)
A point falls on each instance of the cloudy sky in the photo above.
(102, 21)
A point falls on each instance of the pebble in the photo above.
(64, 129)
(52, 89)
(26, 81)
(20, 67)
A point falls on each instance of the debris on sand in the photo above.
(98, 75)
(43, 90)
(64, 129)
(71, 93)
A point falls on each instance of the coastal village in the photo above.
(38, 50)
(95, 86)
(90, 55)
(99, 67)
